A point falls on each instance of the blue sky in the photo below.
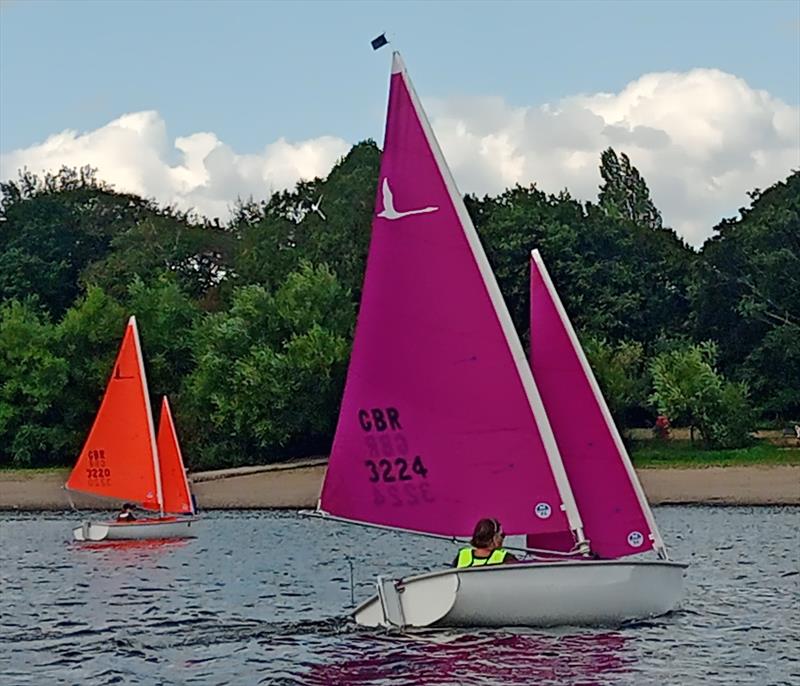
(253, 72)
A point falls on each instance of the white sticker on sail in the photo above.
(635, 539)
(543, 510)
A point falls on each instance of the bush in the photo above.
(731, 419)
(688, 389)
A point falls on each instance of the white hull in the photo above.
(529, 594)
(178, 527)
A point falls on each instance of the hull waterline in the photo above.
(171, 527)
(589, 593)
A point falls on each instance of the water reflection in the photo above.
(124, 550)
(260, 597)
(479, 657)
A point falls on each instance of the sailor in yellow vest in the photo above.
(486, 547)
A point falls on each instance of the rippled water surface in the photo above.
(261, 598)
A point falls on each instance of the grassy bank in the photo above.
(679, 453)
(32, 472)
(646, 453)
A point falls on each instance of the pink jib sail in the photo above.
(177, 498)
(437, 427)
(616, 517)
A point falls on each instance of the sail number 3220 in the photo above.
(97, 470)
(395, 470)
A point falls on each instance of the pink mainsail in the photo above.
(441, 423)
(616, 517)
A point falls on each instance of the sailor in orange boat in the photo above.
(126, 513)
(486, 547)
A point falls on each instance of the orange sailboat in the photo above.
(122, 459)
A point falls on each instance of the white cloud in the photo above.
(701, 139)
(134, 154)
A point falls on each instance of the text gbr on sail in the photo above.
(379, 419)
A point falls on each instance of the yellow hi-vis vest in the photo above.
(466, 558)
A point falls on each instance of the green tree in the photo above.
(731, 420)
(51, 228)
(511, 225)
(772, 371)
(746, 296)
(270, 370)
(278, 235)
(688, 389)
(618, 280)
(199, 256)
(166, 318)
(89, 337)
(261, 377)
(623, 378)
(33, 376)
(624, 193)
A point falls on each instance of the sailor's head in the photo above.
(488, 533)
(127, 506)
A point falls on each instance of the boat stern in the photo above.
(431, 599)
(90, 531)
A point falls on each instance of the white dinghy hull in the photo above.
(591, 593)
(178, 527)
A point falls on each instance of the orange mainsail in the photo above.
(177, 498)
(119, 457)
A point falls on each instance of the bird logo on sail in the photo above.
(389, 212)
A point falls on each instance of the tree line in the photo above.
(247, 324)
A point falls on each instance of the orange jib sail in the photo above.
(175, 488)
(119, 457)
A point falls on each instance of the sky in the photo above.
(198, 103)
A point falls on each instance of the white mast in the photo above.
(503, 316)
(150, 427)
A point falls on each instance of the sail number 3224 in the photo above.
(395, 470)
(389, 469)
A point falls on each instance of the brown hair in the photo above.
(485, 531)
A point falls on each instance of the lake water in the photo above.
(261, 597)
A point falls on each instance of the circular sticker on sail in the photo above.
(635, 539)
(543, 510)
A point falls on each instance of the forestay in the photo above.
(441, 423)
(616, 516)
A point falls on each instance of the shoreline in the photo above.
(296, 485)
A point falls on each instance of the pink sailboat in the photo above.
(442, 423)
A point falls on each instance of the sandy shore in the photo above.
(297, 485)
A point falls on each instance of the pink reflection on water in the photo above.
(495, 657)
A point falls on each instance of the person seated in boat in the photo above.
(126, 513)
(486, 547)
